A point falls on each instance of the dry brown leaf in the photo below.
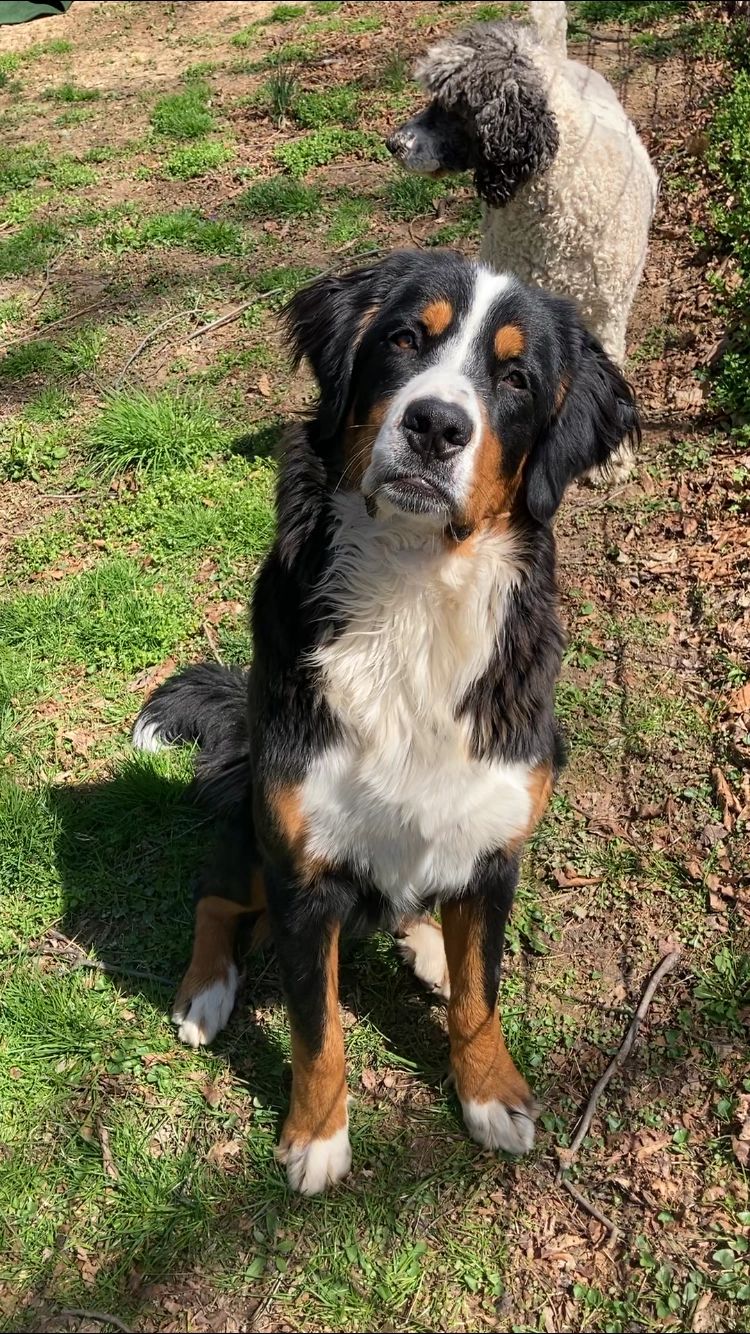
(219, 1154)
(739, 700)
(212, 1092)
(264, 386)
(153, 677)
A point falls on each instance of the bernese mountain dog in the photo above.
(394, 742)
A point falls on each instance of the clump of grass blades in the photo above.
(189, 228)
(194, 160)
(184, 115)
(322, 146)
(28, 249)
(338, 106)
(280, 93)
(279, 197)
(68, 92)
(409, 196)
(153, 434)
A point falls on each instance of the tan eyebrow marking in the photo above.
(437, 316)
(509, 342)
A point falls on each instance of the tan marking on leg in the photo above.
(541, 783)
(481, 1062)
(510, 342)
(216, 922)
(437, 316)
(318, 1107)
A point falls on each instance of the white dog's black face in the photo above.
(454, 394)
(488, 114)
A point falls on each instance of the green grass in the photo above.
(286, 13)
(184, 115)
(186, 228)
(70, 92)
(28, 249)
(411, 196)
(320, 147)
(20, 167)
(197, 159)
(731, 217)
(115, 616)
(337, 106)
(279, 197)
(152, 434)
(44, 357)
(350, 221)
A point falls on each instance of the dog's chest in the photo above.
(401, 797)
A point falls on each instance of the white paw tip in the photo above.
(207, 1012)
(423, 949)
(311, 1168)
(147, 735)
(495, 1126)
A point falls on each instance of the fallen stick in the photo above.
(590, 1208)
(181, 315)
(101, 1318)
(566, 1156)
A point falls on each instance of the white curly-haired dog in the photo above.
(568, 186)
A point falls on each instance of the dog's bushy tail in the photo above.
(205, 705)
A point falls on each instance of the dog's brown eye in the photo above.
(515, 378)
(405, 339)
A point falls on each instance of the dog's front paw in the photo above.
(497, 1126)
(200, 1012)
(314, 1166)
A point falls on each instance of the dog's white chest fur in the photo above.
(400, 797)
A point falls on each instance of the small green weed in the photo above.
(279, 197)
(197, 159)
(184, 115)
(187, 227)
(283, 281)
(11, 310)
(723, 988)
(320, 147)
(626, 11)
(488, 13)
(410, 196)
(69, 174)
(21, 167)
(197, 73)
(27, 450)
(29, 249)
(337, 106)
(395, 75)
(326, 6)
(349, 222)
(49, 405)
(289, 53)
(73, 116)
(152, 434)
(285, 13)
(69, 92)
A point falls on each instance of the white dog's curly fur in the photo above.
(568, 186)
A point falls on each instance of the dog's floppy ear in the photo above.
(326, 322)
(516, 138)
(597, 413)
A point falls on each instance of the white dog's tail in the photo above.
(551, 22)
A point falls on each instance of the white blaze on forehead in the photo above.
(448, 381)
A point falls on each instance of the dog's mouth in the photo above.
(415, 494)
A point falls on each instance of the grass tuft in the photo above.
(29, 249)
(153, 434)
(409, 196)
(320, 147)
(69, 92)
(197, 159)
(280, 197)
(184, 115)
(336, 106)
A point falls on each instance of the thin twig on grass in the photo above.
(181, 314)
(566, 1156)
(50, 268)
(64, 319)
(214, 647)
(590, 1208)
(101, 1318)
(77, 958)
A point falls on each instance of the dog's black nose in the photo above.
(435, 429)
(398, 143)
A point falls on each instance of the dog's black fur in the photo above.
(260, 731)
